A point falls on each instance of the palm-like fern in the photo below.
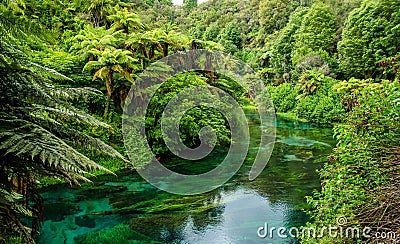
(111, 61)
(160, 39)
(34, 141)
(98, 9)
(309, 82)
(94, 38)
(123, 20)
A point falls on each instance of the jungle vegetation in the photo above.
(66, 68)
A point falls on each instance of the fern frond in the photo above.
(76, 138)
(24, 139)
(70, 93)
(10, 208)
(64, 114)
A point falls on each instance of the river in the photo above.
(233, 213)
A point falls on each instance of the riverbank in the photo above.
(361, 178)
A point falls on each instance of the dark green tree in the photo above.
(211, 33)
(274, 14)
(371, 34)
(232, 33)
(282, 47)
(316, 34)
(189, 4)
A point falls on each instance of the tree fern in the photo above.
(35, 140)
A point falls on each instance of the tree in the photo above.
(211, 33)
(232, 34)
(35, 140)
(342, 10)
(123, 20)
(282, 47)
(371, 34)
(94, 38)
(189, 4)
(168, 36)
(274, 14)
(316, 34)
(161, 39)
(98, 10)
(111, 61)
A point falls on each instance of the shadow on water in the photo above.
(230, 214)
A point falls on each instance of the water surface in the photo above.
(230, 214)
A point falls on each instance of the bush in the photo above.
(360, 179)
(192, 121)
(320, 109)
(319, 102)
(306, 106)
(371, 33)
(283, 97)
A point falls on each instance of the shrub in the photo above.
(283, 96)
(318, 102)
(360, 179)
(320, 109)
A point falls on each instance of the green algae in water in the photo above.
(121, 234)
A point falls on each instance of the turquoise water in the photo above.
(230, 214)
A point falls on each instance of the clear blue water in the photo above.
(230, 214)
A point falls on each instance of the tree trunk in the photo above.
(165, 50)
(109, 92)
(126, 29)
(105, 115)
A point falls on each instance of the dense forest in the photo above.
(66, 68)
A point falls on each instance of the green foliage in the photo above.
(318, 101)
(342, 10)
(319, 109)
(90, 39)
(243, 14)
(283, 96)
(110, 62)
(67, 64)
(211, 33)
(282, 47)
(125, 20)
(371, 34)
(231, 34)
(355, 86)
(98, 11)
(316, 34)
(55, 15)
(36, 135)
(310, 81)
(191, 122)
(359, 175)
(189, 4)
(121, 233)
(274, 14)
(148, 45)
